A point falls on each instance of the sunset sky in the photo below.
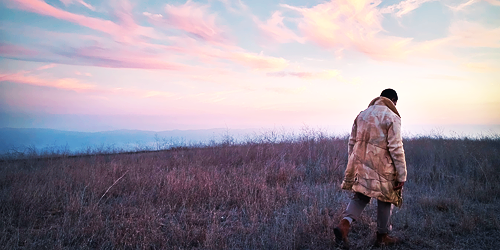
(92, 65)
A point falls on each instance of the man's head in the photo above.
(391, 94)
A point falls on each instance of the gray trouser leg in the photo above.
(358, 204)
(384, 210)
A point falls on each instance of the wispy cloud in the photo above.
(461, 34)
(42, 8)
(64, 83)
(259, 61)
(194, 19)
(282, 90)
(464, 5)
(350, 24)
(48, 66)
(275, 30)
(151, 15)
(118, 58)
(357, 25)
(404, 7)
(444, 77)
(493, 2)
(207, 41)
(98, 55)
(121, 12)
(322, 75)
(469, 34)
(12, 50)
(129, 33)
(82, 74)
(480, 67)
(68, 2)
(208, 54)
(153, 93)
(76, 85)
(235, 6)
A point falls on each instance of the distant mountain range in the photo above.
(19, 139)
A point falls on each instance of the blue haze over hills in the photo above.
(20, 139)
(51, 140)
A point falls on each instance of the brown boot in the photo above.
(341, 232)
(383, 239)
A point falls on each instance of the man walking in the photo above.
(376, 167)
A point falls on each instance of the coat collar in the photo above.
(385, 102)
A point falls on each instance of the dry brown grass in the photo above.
(264, 194)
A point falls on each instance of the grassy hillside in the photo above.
(268, 193)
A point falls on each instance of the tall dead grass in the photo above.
(271, 192)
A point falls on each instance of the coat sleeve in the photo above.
(395, 146)
(352, 137)
(349, 171)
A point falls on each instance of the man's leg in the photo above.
(384, 211)
(356, 206)
(354, 209)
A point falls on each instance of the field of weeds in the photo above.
(262, 194)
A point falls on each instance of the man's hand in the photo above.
(399, 185)
(347, 185)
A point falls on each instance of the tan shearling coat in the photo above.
(376, 155)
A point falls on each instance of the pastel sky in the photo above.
(157, 65)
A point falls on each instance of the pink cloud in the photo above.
(68, 2)
(10, 50)
(322, 75)
(137, 93)
(338, 22)
(468, 34)
(461, 34)
(470, 2)
(282, 90)
(151, 15)
(103, 57)
(235, 6)
(404, 7)
(383, 48)
(129, 33)
(493, 2)
(119, 57)
(82, 74)
(190, 17)
(352, 25)
(48, 66)
(42, 8)
(122, 12)
(27, 77)
(258, 61)
(275, 30)
(481, 67)
(463, 5)
(157, 56)
(95, 56)
(65, 83)
(212, 54)
(152, 93)
(444, 77)
(193, 19)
